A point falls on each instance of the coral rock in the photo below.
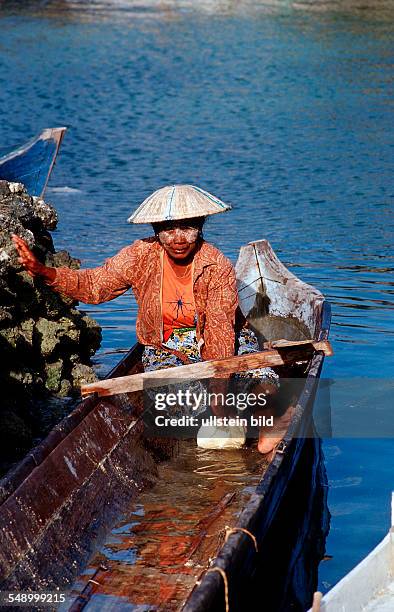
(54, 373)
(45, 342)
(82, 375)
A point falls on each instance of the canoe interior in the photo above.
(32, 163)
(160, 545)
(89, 466)
(97, 461)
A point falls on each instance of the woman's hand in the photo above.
(30, 262)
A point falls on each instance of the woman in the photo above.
(185, 288)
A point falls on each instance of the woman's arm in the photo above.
(91, 286)
(219, 329)
(222, 302)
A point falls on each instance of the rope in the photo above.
(231, 530)
(225, 581)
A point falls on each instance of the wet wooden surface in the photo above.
(165, 540)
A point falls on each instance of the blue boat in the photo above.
(32, 163)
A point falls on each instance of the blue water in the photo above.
(285, 112)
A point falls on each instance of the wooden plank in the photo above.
(293, 351)
(129, 364)
(283, 343)
(297, 481)
(25, 515)
(207, 522)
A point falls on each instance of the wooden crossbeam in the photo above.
(284, 352)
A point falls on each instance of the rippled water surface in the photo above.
(284, 112)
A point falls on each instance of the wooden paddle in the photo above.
(286, 352)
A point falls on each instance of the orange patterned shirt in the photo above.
(177, 299)
(140, 267)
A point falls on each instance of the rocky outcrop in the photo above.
(45, 342)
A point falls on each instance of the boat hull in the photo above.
(32, 163)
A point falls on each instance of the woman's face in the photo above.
(179, 238)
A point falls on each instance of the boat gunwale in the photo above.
(15, 477)
(46, 134)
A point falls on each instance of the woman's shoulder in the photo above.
(212, 255)
(141, 246)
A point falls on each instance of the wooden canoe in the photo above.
(58, 503)
(32, 163)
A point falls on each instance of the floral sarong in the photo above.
(184, 340)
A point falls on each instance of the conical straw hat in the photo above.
(176, 202)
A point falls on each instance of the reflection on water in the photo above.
(129, 10)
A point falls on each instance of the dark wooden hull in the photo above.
(32, 163)
(56, 505)
(56, 502)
